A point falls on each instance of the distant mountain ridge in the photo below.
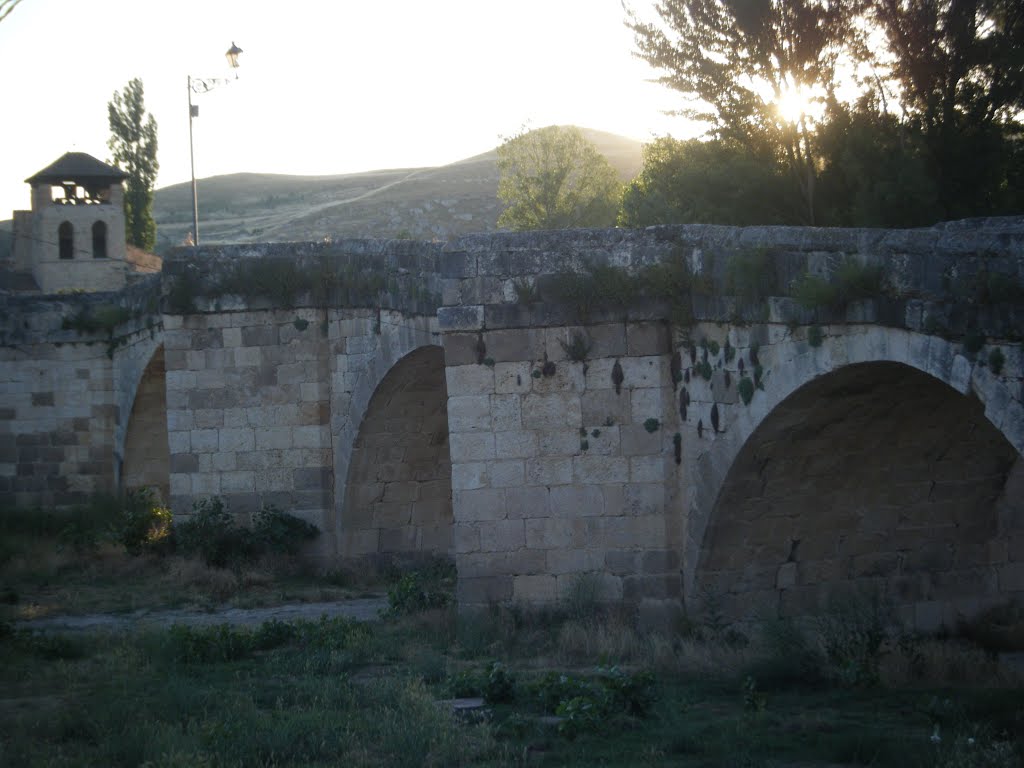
(420, 203)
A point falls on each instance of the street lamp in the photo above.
(204, 85)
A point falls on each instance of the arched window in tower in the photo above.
(66, 240)
(99, 240)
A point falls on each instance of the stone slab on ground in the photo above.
(361, 609)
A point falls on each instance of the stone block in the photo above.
(506, 412)
(469, 380)
(554, 533)
(464, 318)
(658, 587)
(534, 589)
(506, 474)
(622, 562)
(645, 372)
(513, 377)
(478, 504)
(514, 345)
(600, 441)
(469, 475)
(572, 501)
(515, 444)
(473, 565)
(603, 408)
(236, 482)
(600, 469)
(549, 471)
(402, 539)
(502, 536)
(469, 413)
(645, 404)
(466, 537)
(647, 339)
(787, 577)
(527, 502)
(574, 560)
(562, 442)
(551, 411)
(273, 438)
(484, 590)
(644, 499)
(236, 440)
(647, 469)
(660, 561)
(259, 336)
(471, 446)
(637, 440)
(432, 512)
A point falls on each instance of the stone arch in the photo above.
(851, 388)
(398, 489)
(146, 455)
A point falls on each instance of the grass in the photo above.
(338, 693)
(575, 685)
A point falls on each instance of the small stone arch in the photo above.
(146, 455)
(868, 378)
(99, 240)
(375, 344)
(66, 240)
(398, 491)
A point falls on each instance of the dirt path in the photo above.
(362, 609)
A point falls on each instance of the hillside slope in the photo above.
(422, 203)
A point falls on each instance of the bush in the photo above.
(212, 534)
(204, 645)
(87, 526)
(146, 526)
(413, 593)
(279, 533)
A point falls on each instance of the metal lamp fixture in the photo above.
(204, 85)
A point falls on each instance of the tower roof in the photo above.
(80, 167)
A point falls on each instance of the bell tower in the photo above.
(74, 238)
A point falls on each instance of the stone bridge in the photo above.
(767, 418)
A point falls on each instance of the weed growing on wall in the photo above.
(577, 348)
(850, 282)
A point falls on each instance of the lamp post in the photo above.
(204, 85)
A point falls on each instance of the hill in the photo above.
(421, 203)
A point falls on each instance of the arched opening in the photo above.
(66, 240)
(146, 454)
(876, 479)
(99, 240)
(398, 495)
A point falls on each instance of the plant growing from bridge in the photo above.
(996, 359)
(577, 348)
(746, 389)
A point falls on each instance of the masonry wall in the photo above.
(57, 422)
(248, 411)
(561, 469)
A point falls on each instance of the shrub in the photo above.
(212, 534)
(146, 526)
(500, 685)
(280, 533)
(412, 594)
(204, 645)
(87, 526)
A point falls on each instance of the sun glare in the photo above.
(795, 103)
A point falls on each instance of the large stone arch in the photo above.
(146, 462)
(398, 497)
(375, 346)
(853, 387)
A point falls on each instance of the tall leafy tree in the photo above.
(133, 145)
(554, 178)
(696, 181)
(959, 70)
(738, 63)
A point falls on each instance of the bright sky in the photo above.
(324, 87)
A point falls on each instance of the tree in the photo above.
(553, 178)
(133, 144)
(738, 62)
(695, 181)
(6, 6)
(959, 70)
